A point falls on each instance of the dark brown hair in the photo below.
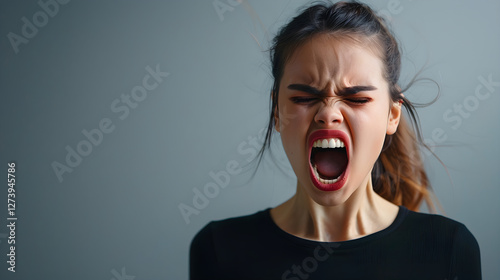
(398, 174)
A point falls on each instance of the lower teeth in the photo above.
(324, 181)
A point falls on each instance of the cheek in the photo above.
(293, 118)
(294, 123)
(369, 131)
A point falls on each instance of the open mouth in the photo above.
(328, 160)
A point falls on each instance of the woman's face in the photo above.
(334, 111)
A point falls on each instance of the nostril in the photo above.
(331, 119)
(327, 115)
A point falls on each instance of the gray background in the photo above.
(116, 214)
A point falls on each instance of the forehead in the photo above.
(340, 60)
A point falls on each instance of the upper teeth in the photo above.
(328, 143)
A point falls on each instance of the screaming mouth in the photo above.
(328, 159)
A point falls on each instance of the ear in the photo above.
(394, 117)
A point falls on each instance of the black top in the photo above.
(415, 246)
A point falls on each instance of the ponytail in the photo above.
(399, 174)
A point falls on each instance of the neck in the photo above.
(363, 213)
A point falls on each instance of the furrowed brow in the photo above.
(343, 92)
(355, 89)
(306, 88)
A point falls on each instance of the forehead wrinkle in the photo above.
(297, 70)
(336, 61)
(355, 57)
(327, 62)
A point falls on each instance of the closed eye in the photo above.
(308, 100)
(358, 100)
(303, 100)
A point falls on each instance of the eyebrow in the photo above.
(343, 92)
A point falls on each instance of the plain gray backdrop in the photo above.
(112, 212)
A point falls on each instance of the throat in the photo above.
(333, 224)
(330, 163)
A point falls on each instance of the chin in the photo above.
(329, 198)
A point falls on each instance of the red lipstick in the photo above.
(325, 134)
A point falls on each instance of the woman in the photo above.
(337, 106)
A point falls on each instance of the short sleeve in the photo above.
(202, 256)
(466, 259)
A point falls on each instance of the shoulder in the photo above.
(232, 230)
(436, 224)
(434, 245)
(443, 234)
(220, 243)
(236, 225)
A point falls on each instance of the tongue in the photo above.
(330, 163)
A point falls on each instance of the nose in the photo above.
(329, 113)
